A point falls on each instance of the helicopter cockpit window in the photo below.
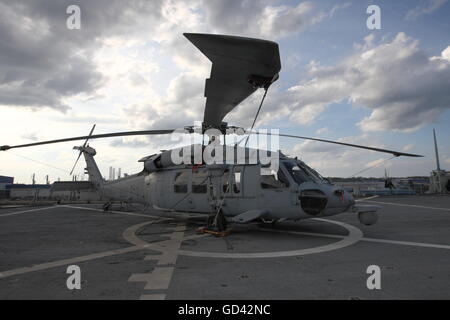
(181, 182)
(199, 181)
(302, 173)
(274, 180)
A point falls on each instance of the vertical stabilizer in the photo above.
(91, 166)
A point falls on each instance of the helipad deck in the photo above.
(136, 255)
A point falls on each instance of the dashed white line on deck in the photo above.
(410, 205)
(60, 263)
(25, 211)
(408, 243)
(112, 211)
(397, 242)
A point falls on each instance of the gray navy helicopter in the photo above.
(227, 191)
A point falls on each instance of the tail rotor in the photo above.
(81, 149)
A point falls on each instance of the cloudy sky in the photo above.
(129, 68)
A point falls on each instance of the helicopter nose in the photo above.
(325, 200)
(339, 201)
(344, 197)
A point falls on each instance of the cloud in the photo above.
(338, 7)
(182, 105)
(321, 147)
(343, 161)
(339, 160)
(375, 163)
(33, 136)
(408, 147)
(260, 18)
(274, 108)
(322, 130)
(183, 102)
(106, 73)
(402, 86)
(43, 63)
(426, 7)
(284, 20)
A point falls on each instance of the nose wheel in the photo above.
(367, 215)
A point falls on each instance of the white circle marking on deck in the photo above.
(354, 235)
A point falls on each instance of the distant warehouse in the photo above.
(60, 190)
(4, 182)
(28, 191)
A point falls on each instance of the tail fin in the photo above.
(91, 166)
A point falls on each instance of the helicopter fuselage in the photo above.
(239, 189)
(294, 192)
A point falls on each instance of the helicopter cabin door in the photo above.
(275, 194)
(181, 196)
(238, 186)
(199, 195)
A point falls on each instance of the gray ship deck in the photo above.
(135, 255)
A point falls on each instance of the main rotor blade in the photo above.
(95, 136)
(239, 66)
(393, 152)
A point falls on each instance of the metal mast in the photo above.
(436, 150)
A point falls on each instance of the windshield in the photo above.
(302, 173)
